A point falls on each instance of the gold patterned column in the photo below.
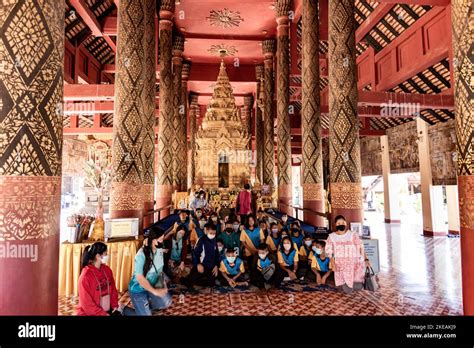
(179, 135)
(184, 122)
(193, 111)
(149, 105)
(247, 116)
(283, 100)
(31, 138)
(268, 48)
(344, 146)
(259, 127)
(126, 197)
(462, 13)
(164, 175)
(312, 164)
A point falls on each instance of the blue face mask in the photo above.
(230, 259)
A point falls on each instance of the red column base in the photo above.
(351, 215)
(429, 233)
(29, 286)
(317, 206)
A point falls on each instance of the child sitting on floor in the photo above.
(320, 263)
(288, 259)
(265, 273)
(231, 270)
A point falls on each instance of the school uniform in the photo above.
(205, 253)
(251, 239)
(273, 243)
(258, 269)
(304, 263)
(320, 265)
(231, 270)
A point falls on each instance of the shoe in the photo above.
(286, 279)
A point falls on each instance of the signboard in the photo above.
(371, 247)
(121, 228)
(365, 231)
(356, 227)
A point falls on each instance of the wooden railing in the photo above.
(157, 212)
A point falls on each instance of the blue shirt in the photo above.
(152, 275)
(254, 236)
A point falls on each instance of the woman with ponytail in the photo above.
(97, 291)
(147, 287)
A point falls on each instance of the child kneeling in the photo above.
(231, 270)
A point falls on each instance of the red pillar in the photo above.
(31, 90)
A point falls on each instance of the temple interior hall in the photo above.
(253, 139)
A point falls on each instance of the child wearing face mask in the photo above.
(288, 259)
(147, 288)
(214, 219)
(221, 248)
(231, 237)
(265, 272)
(284, 224)
(274, 238)
(231, 270)
(297, 236)
(177, 243)
(98, 295)
(320, 263)
(197, 231)
(348, 259)
(304, 263)
(206, 260)
(251, 236)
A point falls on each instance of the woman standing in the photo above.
(147, 288)
(347, 257)
(97, 292)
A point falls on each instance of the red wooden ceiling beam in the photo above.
(82, 92)
(424, 101)
(417, 2)
(372, 20)
(362, 132)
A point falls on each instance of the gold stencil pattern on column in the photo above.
(344, 150)
(283, 127)
(346, 195)
(179, 138)
(129, 114)
(268, 47)
(149, 93)
(312, 164)
(462, 13)
(31, 87)
(165, 157)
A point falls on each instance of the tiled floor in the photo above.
(419, 276)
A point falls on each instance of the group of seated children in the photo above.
(226, 253)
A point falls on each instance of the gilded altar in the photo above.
(222, 156)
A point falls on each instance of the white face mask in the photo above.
(202, 223)
(104, 259)
(236, 227)
(262, 256)
(287, 246)
(231, 259)
(317, 250)
(211, 236)
(219, 248)
(214, 219)
(308, 242)
(275, 231)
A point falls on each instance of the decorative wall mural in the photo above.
(225, 18)
(222, 50)
(442, 138)
(371, 156)
(402, 142)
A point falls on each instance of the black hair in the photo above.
(339, 217)
(247, 226)
(321, 242)
(263, 246)
(219, 241)
(230, 250)
(273, 224)
(307, 236)
(91, 251)
(153, 233)
(292, 247)
(183, 211)
(180, 228)
(199, 209)
(210, 225)
(247, 186)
